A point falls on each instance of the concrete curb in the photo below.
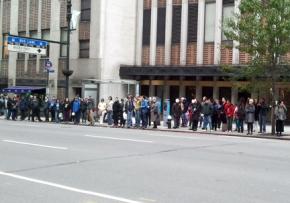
(213, 133)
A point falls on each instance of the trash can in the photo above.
(169, 119)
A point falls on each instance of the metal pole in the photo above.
(69, 15)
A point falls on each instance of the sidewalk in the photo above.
(185, 130)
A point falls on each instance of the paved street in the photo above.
(43, 162)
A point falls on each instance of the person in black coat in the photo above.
(196, 109)
(116, 111)
(176, 111)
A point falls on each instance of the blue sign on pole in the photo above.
(27, 45)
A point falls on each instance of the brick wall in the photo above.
(145, 55)
(208, 54)
(63, 8)
(3, 68)
(177, 2)
(20, 68)
(147, 4)
(161, 3)
(84, 30)
(175, 54)
(160, 55)
(226, 55)
(6, 16)
(45, 14)
(191, 53)
(22, 15)
(244, 58)
(31, 69)
(33, 16)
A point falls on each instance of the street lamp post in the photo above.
(67, 72)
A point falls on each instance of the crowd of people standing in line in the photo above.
(141, 112)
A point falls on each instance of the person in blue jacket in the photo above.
(76, 106)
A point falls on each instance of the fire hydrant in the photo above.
(169, 119)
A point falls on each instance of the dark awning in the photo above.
(129, 72)
(24, 90)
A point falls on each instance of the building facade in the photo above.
(181, 50)
(103, 39)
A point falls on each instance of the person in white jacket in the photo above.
(102, 106)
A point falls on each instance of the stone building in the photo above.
(103, 39)
(181, 50)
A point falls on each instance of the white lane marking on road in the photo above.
(35, 145)
(121, 139)
(72, 189)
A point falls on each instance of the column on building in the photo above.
(139, 37)
(14, 31)
(1, 35)
(153, 33)
(236, 52)
(218, 31)
(215, 89)
(184, 30)
(198, 89)
(38, 33)
(200, 31)
(151, 87)
(235, 92)
(27, 33)
(54, 48)
(181, 87)
(168, 31)
(166, 94)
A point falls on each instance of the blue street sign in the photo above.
(27, 42)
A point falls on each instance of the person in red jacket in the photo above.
(230, 112)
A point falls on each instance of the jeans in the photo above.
(144, 118)
(240, 125)
(56, 119)
(230, 123)
(137, 118)
(184, 119)
(262, 123)
(207, 121)
(110, 117)
(129, 118)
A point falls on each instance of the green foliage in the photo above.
(262, 29)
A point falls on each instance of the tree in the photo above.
(262, 29)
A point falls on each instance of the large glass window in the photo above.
(45, 35)
(146, 27)
(85, 10)
(33, 34)
(176, 24)
(63, 38)
(21, 55)
(209, 22)
(228, 12)
(161, 26)
(84, 48)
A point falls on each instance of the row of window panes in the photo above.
(45, 35)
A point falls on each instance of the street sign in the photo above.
(48, 66)
(27, 45)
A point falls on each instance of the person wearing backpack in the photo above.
(240, 114)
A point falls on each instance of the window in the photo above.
(209, 22)
(228, 12)
(146, 26)
(161, 26)
(45, 35)
(86, 10)
(192, 22)
(5, 53)
(21, 55)
(176, 24)
(84, 48)
(33, 34)
(63, 38)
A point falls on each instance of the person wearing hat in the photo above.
(176, 111)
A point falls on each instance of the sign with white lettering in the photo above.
(26, 45)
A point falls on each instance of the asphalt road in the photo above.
(43, 162)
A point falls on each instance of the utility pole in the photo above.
(67, 72)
